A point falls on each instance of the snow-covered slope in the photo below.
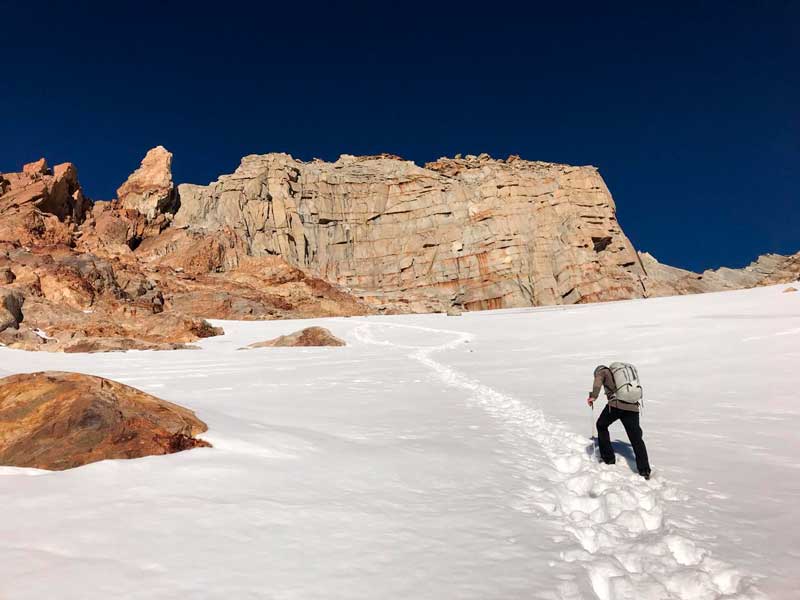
(439, 457)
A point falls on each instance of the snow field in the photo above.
(438, 457)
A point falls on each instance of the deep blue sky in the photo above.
(691, 112)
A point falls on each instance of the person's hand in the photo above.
(590, 401)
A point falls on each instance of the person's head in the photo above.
(599, 368)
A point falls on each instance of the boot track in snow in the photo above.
(628, 546)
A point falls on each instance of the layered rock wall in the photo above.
(473, 232)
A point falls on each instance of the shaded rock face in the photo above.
(473, 232)
(149, 188)
(310, 336)
(10, 309)
(56, 421)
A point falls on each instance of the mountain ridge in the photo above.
(282, 238)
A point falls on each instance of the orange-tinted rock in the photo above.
(54, 420)
(38, 167)
(40, 207)
(310, 336)
(789, 290)
(149, 188)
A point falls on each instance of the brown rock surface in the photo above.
(310, 336)
(54, 420)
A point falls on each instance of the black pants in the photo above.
(630, 420)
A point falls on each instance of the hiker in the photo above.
(627, 411)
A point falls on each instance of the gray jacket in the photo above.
(604, 378)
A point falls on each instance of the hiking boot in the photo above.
(645, 474)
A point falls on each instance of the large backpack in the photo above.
(626, 380)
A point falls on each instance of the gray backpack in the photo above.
(626, 380)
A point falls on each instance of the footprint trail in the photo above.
(623, 536)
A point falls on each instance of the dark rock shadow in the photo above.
(623, 449)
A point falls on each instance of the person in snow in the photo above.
(615, 409)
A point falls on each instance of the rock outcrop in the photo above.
(149, 189)
(769, 269)
(41, 205)
(56, 421)
(473, 232)
(310, 336)
(82, 278)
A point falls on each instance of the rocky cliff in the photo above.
(474, 232)
(283, 238)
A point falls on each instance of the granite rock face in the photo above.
(472, 232)
(56, 421)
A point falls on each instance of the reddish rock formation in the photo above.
(310, 336)
(41, 206)
(114, 278)
(57, 421)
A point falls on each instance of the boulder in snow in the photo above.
(54, 420)
(310, 336)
